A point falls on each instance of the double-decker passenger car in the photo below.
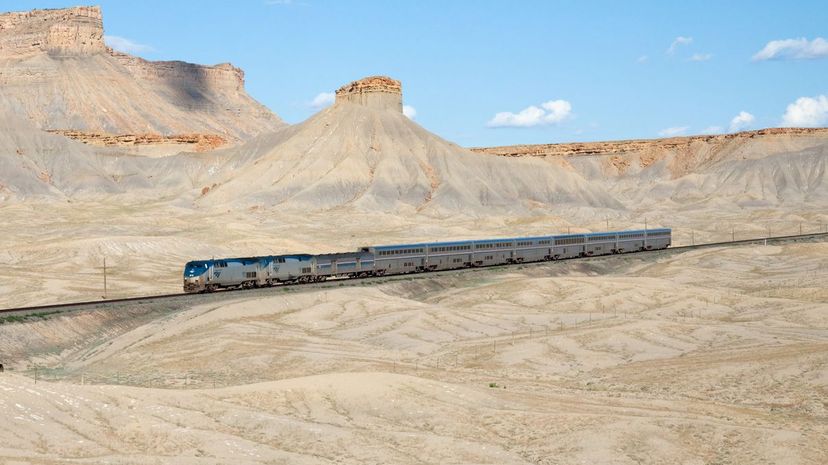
(210, 275)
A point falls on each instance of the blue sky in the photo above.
(507, 72)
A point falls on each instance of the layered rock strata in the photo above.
(380, 92)
(72, 31)
(193, 142)
(627, 146)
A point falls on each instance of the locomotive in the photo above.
(249, 272)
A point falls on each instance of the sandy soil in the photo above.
(713, 356)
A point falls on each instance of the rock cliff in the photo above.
(380, 92)
(57, 73)
(70, 31)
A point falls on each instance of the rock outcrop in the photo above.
(57, 73)
(185, 142)
(70, 31)
(638, 145)
(380, 92)
(223, 76)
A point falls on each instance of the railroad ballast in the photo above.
(271, 270)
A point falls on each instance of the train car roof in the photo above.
(246, 259)
(424, 244)
(480, 241)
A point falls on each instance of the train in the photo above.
(272, 270)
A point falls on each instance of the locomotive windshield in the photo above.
(194, 269)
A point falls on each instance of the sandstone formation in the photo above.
(379, 92)
(72, 31)
(192, 142)
(639, 145)
(57, 73)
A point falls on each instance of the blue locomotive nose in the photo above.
(193, 269)
(194, 276)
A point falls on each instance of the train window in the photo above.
(306, 270)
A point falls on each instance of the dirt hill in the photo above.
(364, 152)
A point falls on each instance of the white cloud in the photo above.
(122, 44)
(701, 56)
(323, 99)
(642, 59)
(409, 111)
(712, 130)
(551, 112)
(741, 121)
(680, 40)
(807, 112)
(674, 131)
(793, 49)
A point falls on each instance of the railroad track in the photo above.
(91, 305)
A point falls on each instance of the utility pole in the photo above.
(645, 232)
(104, 296)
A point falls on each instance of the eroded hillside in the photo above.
(57, 73)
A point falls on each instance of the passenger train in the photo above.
(271, 270)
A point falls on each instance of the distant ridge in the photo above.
(629, 145)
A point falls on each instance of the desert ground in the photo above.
(708, 356)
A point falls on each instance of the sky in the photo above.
(484, 73)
